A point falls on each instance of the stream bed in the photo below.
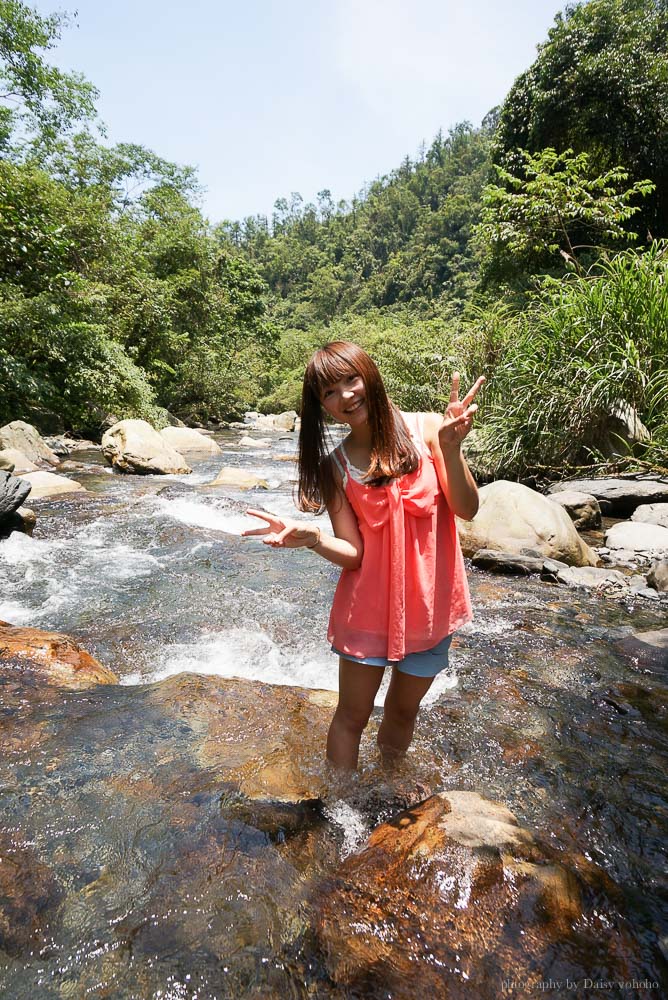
(154, 883)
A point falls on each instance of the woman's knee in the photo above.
(352, 719)
(400, 714)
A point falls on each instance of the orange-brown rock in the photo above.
(29, 895)
(450, 898)
(59, 659)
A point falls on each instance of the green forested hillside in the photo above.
(529, 248)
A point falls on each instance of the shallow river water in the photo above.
(168, 895)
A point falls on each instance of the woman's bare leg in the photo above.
(401, 707)
(358, 684)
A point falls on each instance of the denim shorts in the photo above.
(427, 663)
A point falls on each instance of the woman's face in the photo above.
(345, 400)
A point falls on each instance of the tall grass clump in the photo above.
(586, 345)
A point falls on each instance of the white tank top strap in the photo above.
(337, 454)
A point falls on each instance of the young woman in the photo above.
(391, 490)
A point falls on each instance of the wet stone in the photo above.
(434, 902)
(55, 657)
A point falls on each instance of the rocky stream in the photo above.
(169, 828)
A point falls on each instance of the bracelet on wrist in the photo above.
(316, 542)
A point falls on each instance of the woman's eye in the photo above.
(326, 393)
(352, 378)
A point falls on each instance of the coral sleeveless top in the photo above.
(410, 591)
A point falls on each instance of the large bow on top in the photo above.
(415, 495)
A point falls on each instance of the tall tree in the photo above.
(38, 102)
(599, 85)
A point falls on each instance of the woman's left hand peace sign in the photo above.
(458, 417)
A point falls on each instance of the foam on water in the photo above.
(200, 514)
(253, 655)
(351, 822)
(239, 652)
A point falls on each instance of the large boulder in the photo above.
(26, 439)
(623, 431)
(618, 497)
(583, 509)
(186, 439)
(514, 519)
(652, 513)
(238, 478)
(17, 460)
(48, 484)
(638, 536)
(135, 446)
(450, 899)
(13, 491)
(55, 657)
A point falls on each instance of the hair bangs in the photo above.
(327, 367)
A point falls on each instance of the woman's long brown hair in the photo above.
(392, 450)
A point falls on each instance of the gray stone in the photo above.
(623, 431)
(13, 491)
(652, 513)
(505, 562)
(618, 497)
(591, 576)
(582, 508)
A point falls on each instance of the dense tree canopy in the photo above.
(600, 86)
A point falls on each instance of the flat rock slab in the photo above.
(15, 461)
(618, 497)
(505, 562)
(638, 536)
(48, 484)
(592, 576)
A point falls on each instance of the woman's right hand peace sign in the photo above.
(284, 532)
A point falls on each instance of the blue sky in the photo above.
(266, 98)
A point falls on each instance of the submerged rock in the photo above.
(516, 520)
(54, 656)
(249, 442)
(27, 439)
(449, 898)
(29, 897)
(186, 439)
(135, 446)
